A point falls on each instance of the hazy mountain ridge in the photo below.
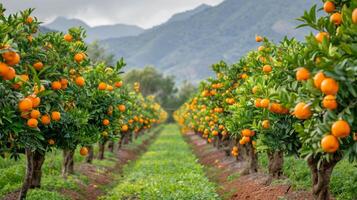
(186, 48)
(96, 32)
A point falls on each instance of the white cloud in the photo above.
(145, 13)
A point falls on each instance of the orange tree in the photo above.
(106, 102)
(29, 85)
(274, 124)
(326, 101)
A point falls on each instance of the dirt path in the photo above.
(225, 172)
(98, 178)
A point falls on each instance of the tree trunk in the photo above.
(28, 176)
(137, 135)
(130, 137)
(321, 176)
(276, 162)
(38, 160)
(68, 163)
(126, 138)
(111, 146)
(251, 160)
(90, 155)
(101, 150)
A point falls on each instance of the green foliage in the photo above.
(167, 171)
(39, 194)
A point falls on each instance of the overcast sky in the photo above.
(144, 13)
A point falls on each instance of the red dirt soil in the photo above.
(231, 186)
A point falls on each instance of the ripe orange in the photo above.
(68, 37)
(110, 88)
(4, 68)
(106, 122)
(245, 139)
(45, 119)
(261, 48)
(118, 84)
(25, 105)
(267, 68)
(102, 86)
(122, 108)
(265, 103)
(258, 38)
(64, 81)
(266, 124)
(354, 16)
(80, 81)
(329, 7)
(302, 111)
(83, 151)
(32, 123)
(29, 20)
(247, 133)
(35, 114)
(38, 65)
(329, 86)
(11, 58)
(35, 100)
(329, 102)
(56, 116)
(318, 78)
(330, 144)
(336, 18)
(214, 133)
(258, 103)
(320, 36)
(124, 128)
(79, 57)
(51, 142)
(56, 85)
(243, 76)
(302, 74)
(11, 74)
(341, 129)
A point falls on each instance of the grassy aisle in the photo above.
(168, 170)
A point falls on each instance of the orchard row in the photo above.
(288, 98)
(52, 97)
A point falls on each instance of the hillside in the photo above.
(186, 48)
(96, 32)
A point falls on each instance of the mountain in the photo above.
(187, 14)
(186, 48)
(96, 32)
(63, 24)
(45, 29)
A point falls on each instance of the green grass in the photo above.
(12, 174)
(168, 170)
(343, 183)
